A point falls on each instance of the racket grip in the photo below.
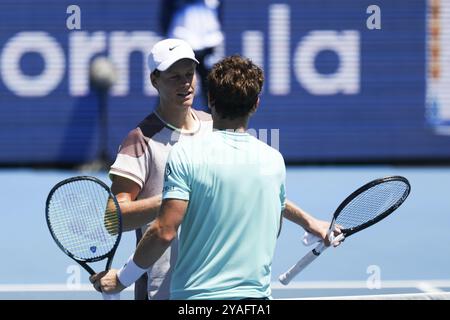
(286, 277)
(115, 296)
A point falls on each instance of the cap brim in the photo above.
(166, 64)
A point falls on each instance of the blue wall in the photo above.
(335, 90)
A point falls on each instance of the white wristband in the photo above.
(130, 272)
(309, 239)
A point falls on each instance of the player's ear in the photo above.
(255, 107)
(154, 78)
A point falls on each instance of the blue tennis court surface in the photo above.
(408, 252)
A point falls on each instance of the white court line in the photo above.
(422, 285)
(49, 288)
(428, 287)
(418, 284)
(411, 296)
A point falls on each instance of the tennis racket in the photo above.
(366, 206)
(85, 221)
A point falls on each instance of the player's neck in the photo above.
(237, 125)
(183, 119)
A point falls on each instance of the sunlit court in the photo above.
(353, 92)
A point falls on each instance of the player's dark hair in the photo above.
(234, 85)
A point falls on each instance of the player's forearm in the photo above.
(298, 215)
(155, 241)
(138, 213)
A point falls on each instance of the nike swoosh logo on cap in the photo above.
(170, 49)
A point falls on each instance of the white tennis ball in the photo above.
(102, 73)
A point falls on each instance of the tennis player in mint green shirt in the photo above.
(233, 185)
(224, 194)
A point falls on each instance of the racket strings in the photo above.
(84, 219)
(371, 203)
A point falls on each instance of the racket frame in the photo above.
(81, 261)
(287, 276)
(348, 232)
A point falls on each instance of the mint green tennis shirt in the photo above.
(235, 185)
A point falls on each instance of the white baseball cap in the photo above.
(166, 52)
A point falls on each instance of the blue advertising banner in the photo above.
(345, 80)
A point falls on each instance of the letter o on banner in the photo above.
(38, 85)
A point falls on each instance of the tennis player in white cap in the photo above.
(138, 172)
